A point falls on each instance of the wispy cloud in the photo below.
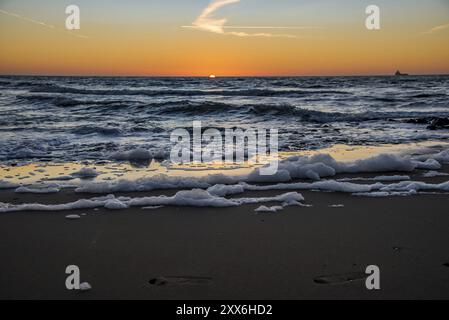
(15, 15)
(437, 29)
(43, 24)
(207, 22)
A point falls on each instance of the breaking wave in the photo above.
(186, 92)
(192, 108)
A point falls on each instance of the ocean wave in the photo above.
(60, 101)
(211, 107)
(106, 131)
(57, 101)
(186, 92)
(282, 110)
(18, 84)
(428, 95)
(192, 108)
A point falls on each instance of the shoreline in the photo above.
(34, 172)
(382, 171)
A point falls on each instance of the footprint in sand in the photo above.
(400, 249)
(180, 281)
(340, 278)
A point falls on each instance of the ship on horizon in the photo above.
(399, 74)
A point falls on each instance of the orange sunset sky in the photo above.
(224, 37)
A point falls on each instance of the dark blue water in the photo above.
(75, 118)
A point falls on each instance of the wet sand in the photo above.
(231, 253)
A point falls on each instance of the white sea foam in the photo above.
(86, 173)
(202, 198)
(324, 185)
(429, 164)
(402, 188)
(442, 157)
(215, 198)
(378, 178)
(269, 209)
(160, 181)
(85, 286)
(194, 198)
(280, 176)
(432, 174)
(286, 199)
(322, 165)
(73, 217)
(415, 186)
(382, 194)
(212, 189)
(37, 190)
(312, 168)
(115, 204)
(222, 190)
(379, 163)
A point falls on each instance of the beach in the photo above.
(221, 156)
(88, 181)
(230, 253)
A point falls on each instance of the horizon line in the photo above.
(217, 76)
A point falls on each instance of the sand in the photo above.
(231, 253)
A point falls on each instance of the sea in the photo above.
(90, 118)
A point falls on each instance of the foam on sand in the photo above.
(222, 190)
(115, 204)
(429, 164)
(324, 185)
(152, 207)
(211, 189)
(214, 195)
(193, 198)
(37, 190)
(314, 168)
(269, 209)
(325, 165)
(160, 181)
(86, 173)
(381, 194)
(400, 188)
(85, 286)
(73, 217)
(432, 174)
(441, 157)
(378, 178)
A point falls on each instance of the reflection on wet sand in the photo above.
(72, 173)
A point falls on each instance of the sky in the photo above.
(224, 37)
